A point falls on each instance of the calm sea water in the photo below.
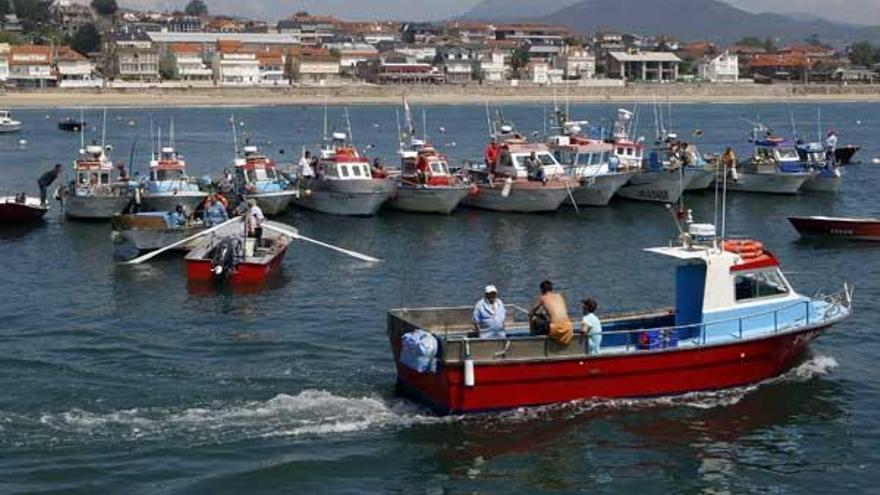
(121, 380)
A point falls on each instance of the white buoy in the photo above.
(22, 142)
(469, 378)
(876, 161)
(442, 129)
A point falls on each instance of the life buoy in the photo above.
(746, 249)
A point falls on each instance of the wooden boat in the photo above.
(152, 230)
(344, 183)
(859, 229)
(736, 321)
(21, 210)
(235, 259)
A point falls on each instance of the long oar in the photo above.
(296, 235)
(571, 197)
(157, 252)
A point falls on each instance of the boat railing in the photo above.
(820, 310)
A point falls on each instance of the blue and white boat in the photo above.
(168, 185)
(773, 168)
(815, 158)
(256, 177)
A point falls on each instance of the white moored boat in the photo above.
(7, 123)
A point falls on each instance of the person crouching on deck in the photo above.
(489, 315)
(591, 326)
(549, 315)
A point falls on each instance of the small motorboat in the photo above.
(773, 168)
(169, 185)
(99, 191)
(858, 229)
(256, 177)
(736, 321)
(70, 124)
(7, 123)
(236, 259)
(21, 209)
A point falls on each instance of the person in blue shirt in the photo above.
(215, 213)
(591, 326)
(177, 218)
(489, 315)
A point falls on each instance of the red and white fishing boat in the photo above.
(233, 258)
(736, 321)
(858, 229)
(21, 210)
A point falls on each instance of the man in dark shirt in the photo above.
(46, 180)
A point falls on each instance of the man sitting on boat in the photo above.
(489, 315)
(215, 213)
(534, 168)
(177, 218)
(590, 325)
(550, 315)
(378, 170)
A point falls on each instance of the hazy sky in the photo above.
(857, 11)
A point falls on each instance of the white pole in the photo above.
(234, 139)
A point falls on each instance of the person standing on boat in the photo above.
(46, 180)
(489, 315)
(422, 169)
(177, 218)
(215, 213)
(728, 161)
(305, 166)
(550, 306)
(830, 144)
(254, 221)
(493, 151)
(591, 326)
(534, 167)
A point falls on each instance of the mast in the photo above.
(424, 126)
(399, 132)
(82, 131)
(234, 138)
(348, 126)
(171, 137)
(103, 130)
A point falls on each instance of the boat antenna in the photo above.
(669, 114)
(489, 126)
(819, 123)
(131, 154)
(152, 139)
(424, 126)
(104, 128)
(348, 126)
(171, 137)
(82, 130)
(724, 200)
(324, 138)
(399, 132)
(234, 137)
(159, 140)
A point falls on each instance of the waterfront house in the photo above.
(491, 67)
(30, 66)
(352, 53)
(189, 62)
(74, 70)
(457, 63)
(314, 66)
(272, 67)
(576, 63)
(4, 62)
(131, 56)
(722, 68)
(635, 65)
(779, 66)
(399, 69)
(233, 65)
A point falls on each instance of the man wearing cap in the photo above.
(489, 314)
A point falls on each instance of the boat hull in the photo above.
(781, 183)
(661, 187)
(823, 184)
(14, 213)
(524, 197)
(168, 201)
(351, 198)
(598, 190)
(860, 229)
(432, 199)
(94, 207)
(246, 273)
(643, 374)
(698, 178)
(274, 203)
(844, 154)
(9, 128)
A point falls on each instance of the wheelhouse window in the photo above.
(546, 159)
(620, 151)
(343, 171)
(168, 175)
(757, 285)
(356, 170)
(439, 168)
(787, 154)
(252, 175)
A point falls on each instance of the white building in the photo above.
(189, 65)
(30, 66)
(543, 73)
(577, 63)
(314, 66)
(492, 68)
(4, 62)
(74, 70)
(722, 68)
(233, 67)
(351, 54)
(643, 66)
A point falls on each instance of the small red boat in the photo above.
(21, 209)
(736, 321)
(233, 258)
(859, 229)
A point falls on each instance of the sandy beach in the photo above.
(436, 95)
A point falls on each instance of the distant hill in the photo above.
(508, 10)
(700, 20)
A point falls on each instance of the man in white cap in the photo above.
(489, 314)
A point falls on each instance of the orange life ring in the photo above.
(747, 249)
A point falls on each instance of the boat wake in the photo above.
(318, 413)
(310, 413)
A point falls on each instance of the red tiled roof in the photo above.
(185, 48)
(779, 60)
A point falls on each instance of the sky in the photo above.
(853, 11)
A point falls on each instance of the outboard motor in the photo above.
(225, 257)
